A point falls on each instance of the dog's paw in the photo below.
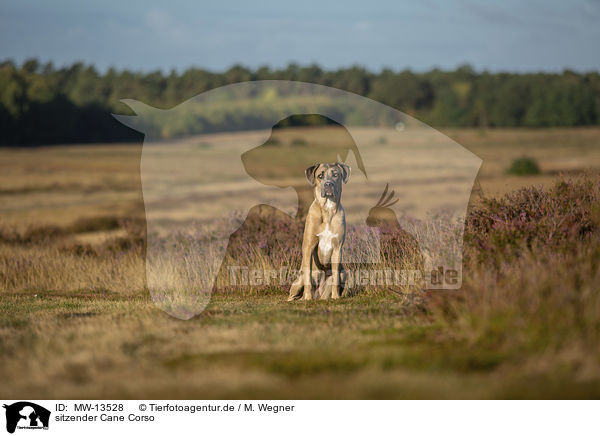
(335, 292)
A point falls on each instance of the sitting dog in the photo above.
(321, 273)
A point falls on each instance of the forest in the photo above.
(42, 104)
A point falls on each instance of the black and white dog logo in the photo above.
(26, 415)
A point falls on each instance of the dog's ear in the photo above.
(310, 173)
(345, 171)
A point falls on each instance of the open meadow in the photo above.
(77, 320)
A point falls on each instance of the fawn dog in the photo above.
(321, 272)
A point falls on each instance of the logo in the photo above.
(26, 415)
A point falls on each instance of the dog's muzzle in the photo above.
(328, 189)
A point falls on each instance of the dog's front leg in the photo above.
(306, 271)
(309, 243)
(336, 259)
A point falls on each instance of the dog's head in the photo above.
(327, 179)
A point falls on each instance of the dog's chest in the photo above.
(326, 238)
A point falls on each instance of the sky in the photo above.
(509, 35)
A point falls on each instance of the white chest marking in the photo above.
(325, 240)
(329, 204)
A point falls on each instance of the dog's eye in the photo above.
(321, 176)
(334, 175)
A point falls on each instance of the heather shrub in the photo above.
(31, 235)
(531, 269)
(532, 217)
(95, 224)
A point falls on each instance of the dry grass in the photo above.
(558, 151)
(77, 321)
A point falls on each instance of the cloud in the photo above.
(491, 13)
(362, 26)
(162, 24)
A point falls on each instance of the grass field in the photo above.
(76, 319)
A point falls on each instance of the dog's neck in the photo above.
(328, 208)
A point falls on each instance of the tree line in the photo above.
(41, 104)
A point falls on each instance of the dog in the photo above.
(321, 272)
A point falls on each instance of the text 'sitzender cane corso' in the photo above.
(321, 272)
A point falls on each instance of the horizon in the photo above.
(272, 69)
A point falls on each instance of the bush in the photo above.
(524, 166)
(273, 142)
(382, 140)
(298, 142)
